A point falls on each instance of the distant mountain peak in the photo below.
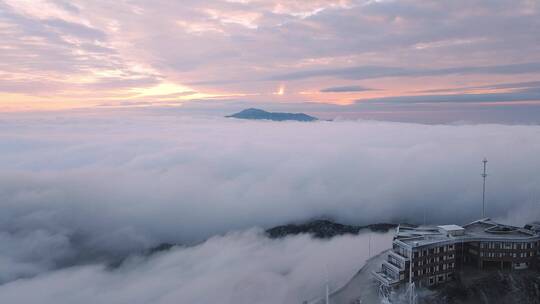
(253, 113)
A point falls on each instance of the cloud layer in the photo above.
(89, 188)
(241, 267)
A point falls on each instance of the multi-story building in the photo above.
(428, 255)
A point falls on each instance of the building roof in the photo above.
(484, 229)
(451, 227)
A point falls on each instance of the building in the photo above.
(429, 255)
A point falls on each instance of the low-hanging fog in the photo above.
(78, 189)
(240, 267)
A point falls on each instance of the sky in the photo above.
(438, 61)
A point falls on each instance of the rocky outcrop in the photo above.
(275, 116)
(477, 287)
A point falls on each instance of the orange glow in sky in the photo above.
(92, 54)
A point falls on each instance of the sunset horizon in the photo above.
(346, 54)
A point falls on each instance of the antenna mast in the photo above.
(369, 246)
(327, 294)
(484, 175)
(327, 297)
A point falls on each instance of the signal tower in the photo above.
(484, 175)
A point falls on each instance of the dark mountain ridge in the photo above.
(323, 229)
(319, 228)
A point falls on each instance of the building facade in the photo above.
(429, 255)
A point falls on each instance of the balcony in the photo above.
(384, 278)
(392, 268)
(398, 256)
(399, 265)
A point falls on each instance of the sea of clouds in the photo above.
(240, 267)
(81, 189)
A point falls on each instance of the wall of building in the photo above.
(433, 265)
(512, 255)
